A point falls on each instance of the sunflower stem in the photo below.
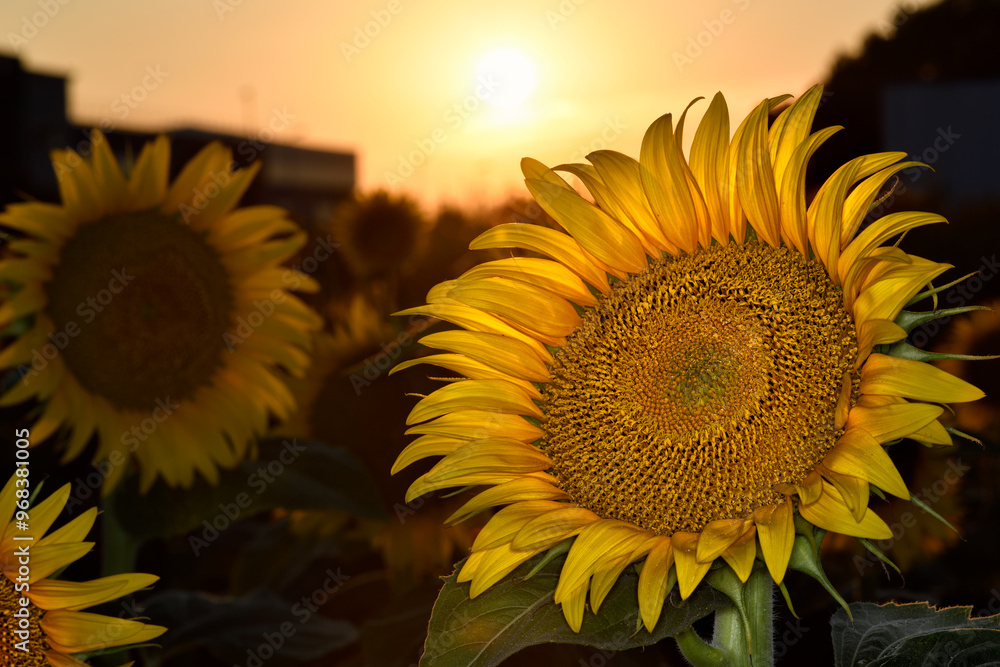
(731, 636)
(758, 600)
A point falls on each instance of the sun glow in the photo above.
(508, 77)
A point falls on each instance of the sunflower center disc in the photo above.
(694, 387)
(149, 301)
(9, 653)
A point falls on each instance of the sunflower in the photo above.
(159, 313)
(379, 235)
(40, 618)
(703, 358)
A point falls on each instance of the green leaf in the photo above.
(518, 613)
(293, 474)
(914, 635)
(233, 630)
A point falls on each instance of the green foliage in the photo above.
(914, 635)
(234, 630)
(291, 474)
(518, 613)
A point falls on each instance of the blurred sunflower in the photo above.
(159, 312)
(379, 235)
(725, 379)
(56, 627)
(346, 363)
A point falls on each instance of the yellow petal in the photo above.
(536, 309)
(859, 454)
(477, 320)
(497, 564)
(717, 536)
(560, 247)
(891, 376)
(755, 177)
(710, 165)
(776, 531)
(876, 332)
(830, 512)
(653, 581)
(933, 434)
(792, 191)
(878, 232)
(573, 606)
(552, 528)
(608, 203)
(503, 353)
(492, 455)
(478, 424)
(689, 571)
(543, 273)
(599, 542)
(75, 595)
(490, 395)
(741, 554)
(854, 491)
(518, 490)
(892, 421)
(79, 631)
(509, 521)
(424, 446)
(664, 182)
(620, 173)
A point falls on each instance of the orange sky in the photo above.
(405, 93)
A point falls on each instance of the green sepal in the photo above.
(904, 350)
(966, 436)
(788, 598)
(700, 653)
(910, 320)
(550, 555)
(927, 508)
(726, 582)
(805, 559)
(812, 534)
(875, 551)
(451, 494)
(934, 291)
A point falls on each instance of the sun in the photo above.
(507, 77)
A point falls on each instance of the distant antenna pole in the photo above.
(248, 103)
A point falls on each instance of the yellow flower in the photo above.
(159, 312)
(731, 374)
(41, 622)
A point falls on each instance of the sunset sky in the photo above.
(402, 83)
